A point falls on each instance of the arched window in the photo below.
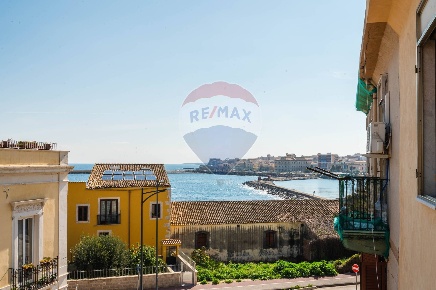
(201, 240)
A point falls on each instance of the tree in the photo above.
(149, 254)
(100, 252)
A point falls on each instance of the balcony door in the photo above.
(108, 211)
(25, 241)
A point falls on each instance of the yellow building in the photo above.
(33, 215)
(110, 204)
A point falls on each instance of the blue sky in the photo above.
(106, 79)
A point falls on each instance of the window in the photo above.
(201, 240)
(109, 212)
(27, 225)
(155, 210)
(426, 172)
(104, 233)
(270, 239)
(25, 241)
(82, 213)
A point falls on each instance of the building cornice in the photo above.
(20, 169)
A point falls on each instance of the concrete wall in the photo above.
(239, 243)
(126, 282)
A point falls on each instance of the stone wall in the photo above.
(244, 242)
(126, 282)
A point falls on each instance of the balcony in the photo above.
(111, 219)
(362, 221)
(34, 277)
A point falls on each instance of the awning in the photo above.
(364, 96)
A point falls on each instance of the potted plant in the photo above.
(45, 261)
(27, 269)
(29, 266)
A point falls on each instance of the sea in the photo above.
(211, 187)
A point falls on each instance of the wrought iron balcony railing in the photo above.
(362, 221)
(362, 204)
(108, 219)
(34, 277)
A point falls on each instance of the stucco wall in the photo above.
(27, 177)
(34, 157)
(388, 64)
(129, 206)
(418, 222)
(232, 242)
(413, 224)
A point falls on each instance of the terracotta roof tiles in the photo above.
(171, 242)
(95, 180)
(318, 215)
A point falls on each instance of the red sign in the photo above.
(355, 268)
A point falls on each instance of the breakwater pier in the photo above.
(283, 192)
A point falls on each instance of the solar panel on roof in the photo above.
(140, 177)
(128, 177)
(117, 172)
(117, 177)
(148, 172)
(151, 177)
(128, 172)
(107, 172)
(106, 177)
(138, 172)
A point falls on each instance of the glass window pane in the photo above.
(29, 241)
(20, 243)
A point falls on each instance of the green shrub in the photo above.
(201, 258)
(149, 255)
(238, 280)
(289, 273)
(228, 281)
(202, 282)
(215, 281)
(262, 271)
(204, 274)
(100, 252)
(304, 269)
(344, 266)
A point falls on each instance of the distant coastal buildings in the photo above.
(289, 163)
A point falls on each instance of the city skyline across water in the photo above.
(211, 187)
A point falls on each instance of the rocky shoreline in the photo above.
(283, 192)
